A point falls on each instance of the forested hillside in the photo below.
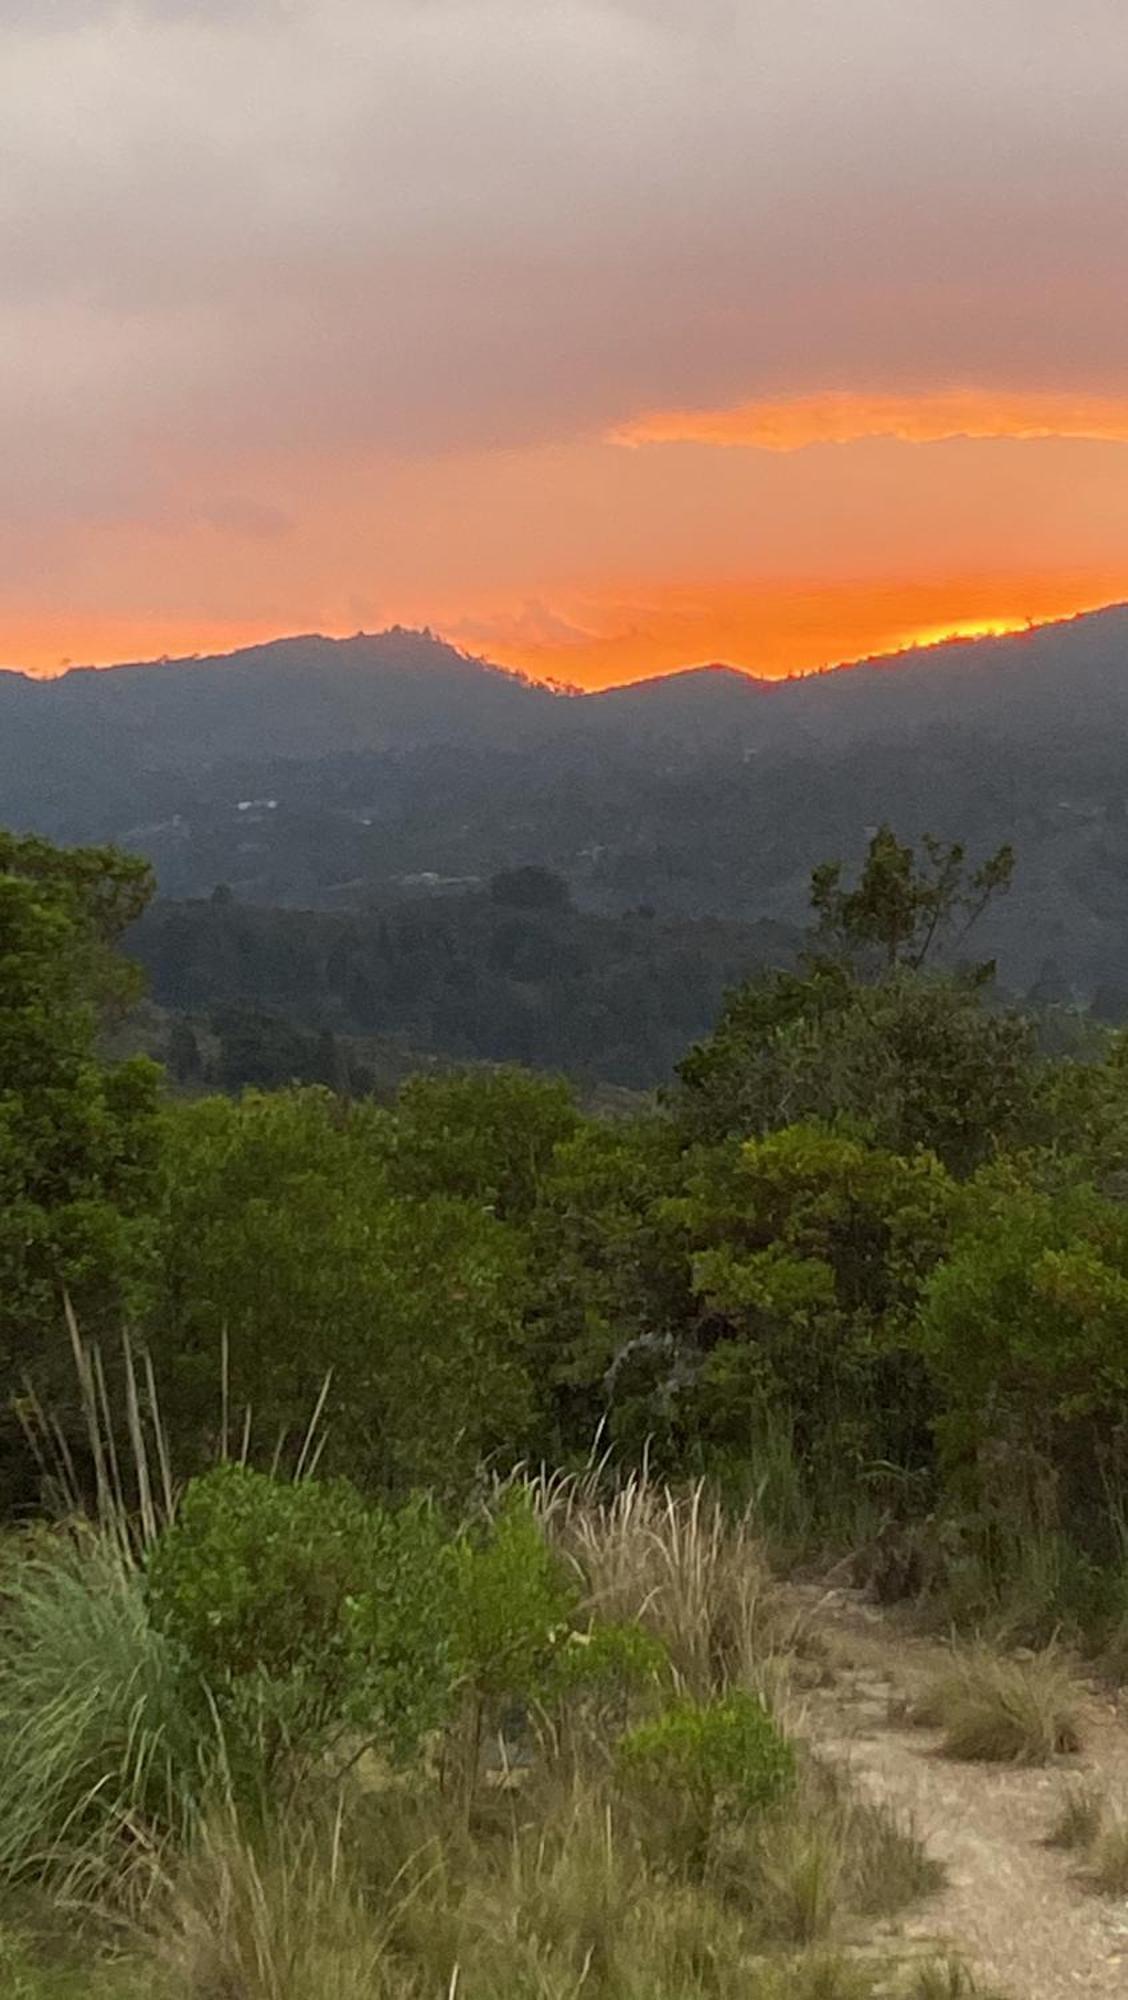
(330, 774)
(510, 974)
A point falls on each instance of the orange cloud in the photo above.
(791, 422)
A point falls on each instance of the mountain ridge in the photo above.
(319, 773)
(420, 640)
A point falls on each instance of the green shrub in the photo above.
(703, 1762)
(512, 1602)
(610, 1660)
(307, 1605)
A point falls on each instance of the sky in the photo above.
(603, 337)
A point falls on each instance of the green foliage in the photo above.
(457, 978)
(78, 1141)
(303, 1600)
(281, 1226)
(609, 1660)
(900, 911)
(859, 1033)
(100, 893)
(808, 1251)
(701, 1760)
(485, 1136)
(609, 1269)
(914, 1061)
(1025, 1331)
(513, 1601)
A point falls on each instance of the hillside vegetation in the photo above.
(396, 1493)
(335, 774)
(513, 973)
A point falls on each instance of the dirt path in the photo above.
(1013, 1908)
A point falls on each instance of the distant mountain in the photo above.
(331, 772)
(701, 708)
(1024, 683)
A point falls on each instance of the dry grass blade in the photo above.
(276, 1920)
(997, 1710)
(681, 1566)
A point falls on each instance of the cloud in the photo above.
(408, 226)
(788, 424)
(535, 625)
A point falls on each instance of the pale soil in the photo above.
(1013, 1909)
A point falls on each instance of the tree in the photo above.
(1025, 1330)
(808, 1252)
(612, 1282)
(913, 1061)
(899, 912)
(78, 1140)
(486, 1136)
(917, 1058)
(283, 1229)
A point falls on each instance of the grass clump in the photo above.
(997, 1710)
(946, 1979)
(825, 1853)
(104, 1760)
(1080, 1820)
(678, 1565)
(280, 1918)
(26, 1973)
(1106, 1868)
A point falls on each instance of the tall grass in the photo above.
(681, 1566)
(102, 1761)
(552, 1910)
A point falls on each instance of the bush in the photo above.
(308, 1603)
(723, 1755)
(611, 1660)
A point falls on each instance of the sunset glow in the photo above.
(603, 337)
(779, 632)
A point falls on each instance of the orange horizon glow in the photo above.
(772, 633)
(790, 631)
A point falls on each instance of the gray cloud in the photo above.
(236, 227)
